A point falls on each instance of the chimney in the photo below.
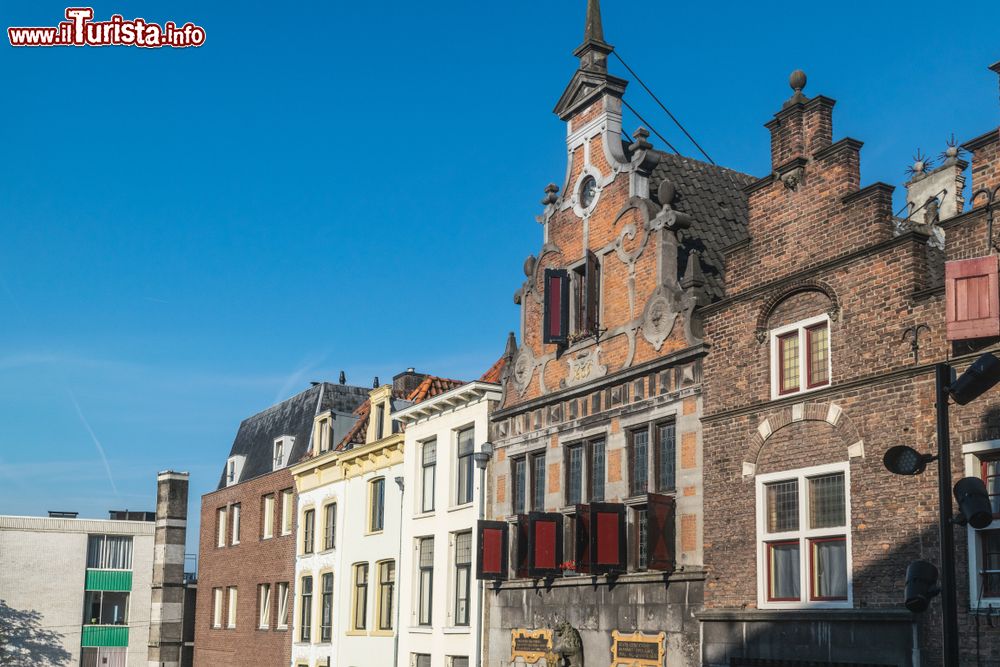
(407, 381)
(166, 628)
(802, 127)
(57, 514)
(943, 185)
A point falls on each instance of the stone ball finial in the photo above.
(797, 80)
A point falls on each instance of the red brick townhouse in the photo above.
(247, 543)
(596, 479)
(822, 353)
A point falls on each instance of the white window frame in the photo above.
(267, 508)
(232, 603)
(420, 510)
(216, 607)
(972, 454)
(801, 326)
(281, 622)
(264, 613)
(235, 511)
(221, 526)
(287, 511)
(803, 534)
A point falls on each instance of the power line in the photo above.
(662, 106)
(650, 126)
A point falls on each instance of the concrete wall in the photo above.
(43, 565)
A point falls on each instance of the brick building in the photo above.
(596, 483)
(822, 357)
(247, 543)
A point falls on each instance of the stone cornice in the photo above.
(454, 399)
(972, 145)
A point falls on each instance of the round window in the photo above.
(588, 191)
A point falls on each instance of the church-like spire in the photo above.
(593, 53)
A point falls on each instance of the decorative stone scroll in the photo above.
(637, 649)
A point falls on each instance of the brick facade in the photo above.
(830, 247)
(252, 562)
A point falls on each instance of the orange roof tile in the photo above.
(495, 371)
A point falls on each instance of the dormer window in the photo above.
(323, 434)
(231, 474)
(800, 357)
(234, 468)
(380, 421)
(282, 450)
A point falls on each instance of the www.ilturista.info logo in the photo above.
(81, 30)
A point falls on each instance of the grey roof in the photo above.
(256, 435)
(713, 196)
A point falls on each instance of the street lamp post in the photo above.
(949, 598)
(482, 459)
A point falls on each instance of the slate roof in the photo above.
(713, 196)
(255, 437)
(430, 386)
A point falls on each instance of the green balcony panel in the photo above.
(109, 580)
(105, 635)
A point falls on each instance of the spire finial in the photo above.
(594, 31)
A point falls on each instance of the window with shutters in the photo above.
(555, 311)
(586, 279)
(492, 552)
(804, 553)
(971, 298)
(658, 534)
(800, 356)
(545, 537)
(607, 532)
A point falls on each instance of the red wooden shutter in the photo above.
(591, 307)
(660, 532)
(972, 298)
(555, 328)
(608, 548)
(581, 551)
(521, 568)
(492, 540)
(545, 535)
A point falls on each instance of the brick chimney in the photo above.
(166, 626)
(407, 381)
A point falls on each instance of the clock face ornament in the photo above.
(588, 192)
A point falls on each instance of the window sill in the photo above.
(424, 515)
(421, 629)
(775, 396)
(456, 630)
(381, 633)
(803, 606)
(356, 633)
(281, 628)
(463, 506)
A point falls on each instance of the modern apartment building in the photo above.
(96, 592)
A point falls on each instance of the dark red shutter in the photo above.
(972, 298)
(555, 328)
(608, 548)
(660, 532)
(581, 551)
(592, 280)
(545, 534)
(521, 568)
(492, 542)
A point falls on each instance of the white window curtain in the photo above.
(109, 552)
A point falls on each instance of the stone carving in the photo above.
(584, 367)
(658, 318)
(524, 369)
(792, 178)
(567, 646)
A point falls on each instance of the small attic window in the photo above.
(231, 474)
(380, 422)
(282, 449)
(234, 468)
(324, 434)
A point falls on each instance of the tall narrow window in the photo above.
(666, 456)
(329, 526)
(466, 439)
(425, 581)
(518, 469)
(264, 606)
(231, 610)
(380, 421)
(308, 531)
(376, 514)
(236, 524)
(360, 615)
(428, 467)
(804, 554)
(818, 347)
(586, 295)
(231, 473)
(216, 607)
(306, 601)
(638, 461)
(386, 586)
(642, 538)
(788, 362)
(220, 527)
(326, 608)
(463, 577)
(282, 620)
(324, 435)
(538, 482)
(597, 472)
(279, 453)
(267, 516)
(287, 511)
(574, 474)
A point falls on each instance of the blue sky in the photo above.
(187, 236)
